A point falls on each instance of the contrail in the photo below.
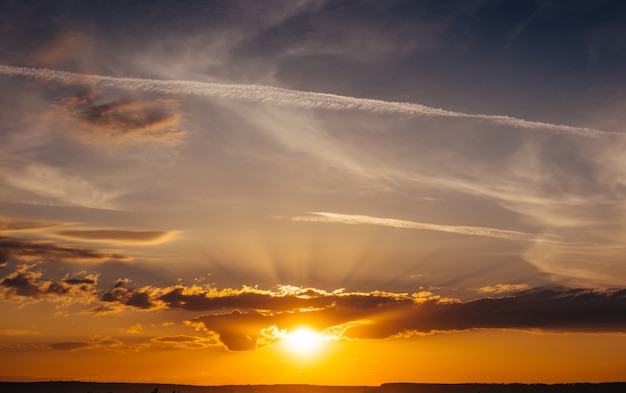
(288, 98)
(356, 219)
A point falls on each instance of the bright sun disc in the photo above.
(303, 341)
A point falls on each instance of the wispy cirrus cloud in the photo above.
(285, 97)
(55, 187)
(356, 219)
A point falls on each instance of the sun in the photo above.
(303, 341)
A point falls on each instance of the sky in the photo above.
(326, 192)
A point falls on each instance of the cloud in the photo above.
(241, 316)
(285, 97)
(248, 318)
(12, 225)
(135, 329)
(20, 347)
(61, 188)
(96, 343)
(119, 236)
(551, 310)
(27, 249)
(184, 342)
(69, 346)
(101, 343)
(501, 288)
(119, 121)
(196, 298)
(355, 219)
(18, 332)
(24, 283)
(57, 49)
(141, 298)
(597, 257)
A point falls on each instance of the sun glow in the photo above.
(303, 341)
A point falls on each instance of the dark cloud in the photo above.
(551, 309)
(140, 298)
(247, 318)
(98, 343)
(69, 346)
(240, 316)
(26, 249)
(136, 119)
(26, 283)
(284, 299)
(74, 281)
(103, 309)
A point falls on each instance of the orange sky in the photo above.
(481, 356)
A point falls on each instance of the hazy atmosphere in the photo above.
(325, 192)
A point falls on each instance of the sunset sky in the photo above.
(326, 192)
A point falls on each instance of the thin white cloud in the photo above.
(356, 219)
(285, 97)
(57, 187)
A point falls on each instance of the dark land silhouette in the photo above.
(97, 387)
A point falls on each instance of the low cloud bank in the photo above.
(240, 317)
(249, 317)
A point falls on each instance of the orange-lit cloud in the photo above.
(244, 319)
(61, 47)
(501, 288)
(24, 283)
(247, 298)
(119, 236)
(18, 332)
(239, 317)
(135, 329)
(116, 121)
(184, 342)
(560, 310)
(12, 225)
